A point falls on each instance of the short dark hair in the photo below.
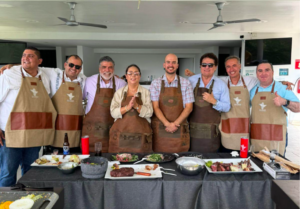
(265, 62)
(76, 57)
(133, 65)
(107, 59)
(211, 56)
(36, 51)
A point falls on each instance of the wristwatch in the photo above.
(287, 103)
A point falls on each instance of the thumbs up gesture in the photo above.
(278, 100)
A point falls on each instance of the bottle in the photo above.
(66, 145)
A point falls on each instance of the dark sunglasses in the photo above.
(210, 65)
(77, 67)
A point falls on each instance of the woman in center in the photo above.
(132, 109)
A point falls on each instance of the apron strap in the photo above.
(63, 77)
(114, 84)
(40, 78)
(272, 91)
(162, 86)
(256, 90)
(211, 86)
(197, 87)
(228, 83)
(244, 82)
(98, 84)
(178, 85)
(22, 72)
(124, 96)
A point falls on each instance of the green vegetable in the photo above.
(155, 157)
(209, 163)
(114, 157)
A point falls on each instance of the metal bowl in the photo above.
(68, 167)
(190, 165)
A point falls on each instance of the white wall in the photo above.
(185, 63)
(90, 61)
(150, 64)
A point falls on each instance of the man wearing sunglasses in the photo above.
(99, 90)
(66, 94)
(211, 98)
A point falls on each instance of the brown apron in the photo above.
(204, 122)
(130, 133)
(268, 122)
(98, 121)
(235, 123)
(68, 104)
(171, 105)
(31, 122)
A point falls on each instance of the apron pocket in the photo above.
(164, 134)
(104, 101)
(148, 138)
(101, 130)
(131, 140)
(200, 102)
(200, 130)
(170, 101)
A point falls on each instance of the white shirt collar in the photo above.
(28, 75)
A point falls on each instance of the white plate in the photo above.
(235, 161)
(66, 159)
(137, 168)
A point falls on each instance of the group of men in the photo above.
(188, 114)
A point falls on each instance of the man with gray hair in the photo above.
(236, 122)
(99, 90)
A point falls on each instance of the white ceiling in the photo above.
(155, 21)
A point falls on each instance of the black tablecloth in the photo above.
(207, 191)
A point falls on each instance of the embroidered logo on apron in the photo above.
(262, 107)
(33, 83)
(170, 101)
(34, 92)
(71, 96)
(71, 88)
(237, 92)
(237, 101)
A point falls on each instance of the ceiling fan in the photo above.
(220, 21)
(72, 20)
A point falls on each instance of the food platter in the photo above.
(61, 158)
(235, 161)
(166, 157)
(137, 168)
(116, 157)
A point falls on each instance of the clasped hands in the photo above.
(132, 104)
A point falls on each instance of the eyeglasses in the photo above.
(77, 67)
(210, 65)
(135, 74)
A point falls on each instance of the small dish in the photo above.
(68, 167)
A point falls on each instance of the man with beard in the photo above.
(172, 99)
(66, 93)
(99, 90)
(211, 98)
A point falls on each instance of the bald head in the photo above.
(171, 63)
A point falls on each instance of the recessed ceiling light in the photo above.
(5, 5)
